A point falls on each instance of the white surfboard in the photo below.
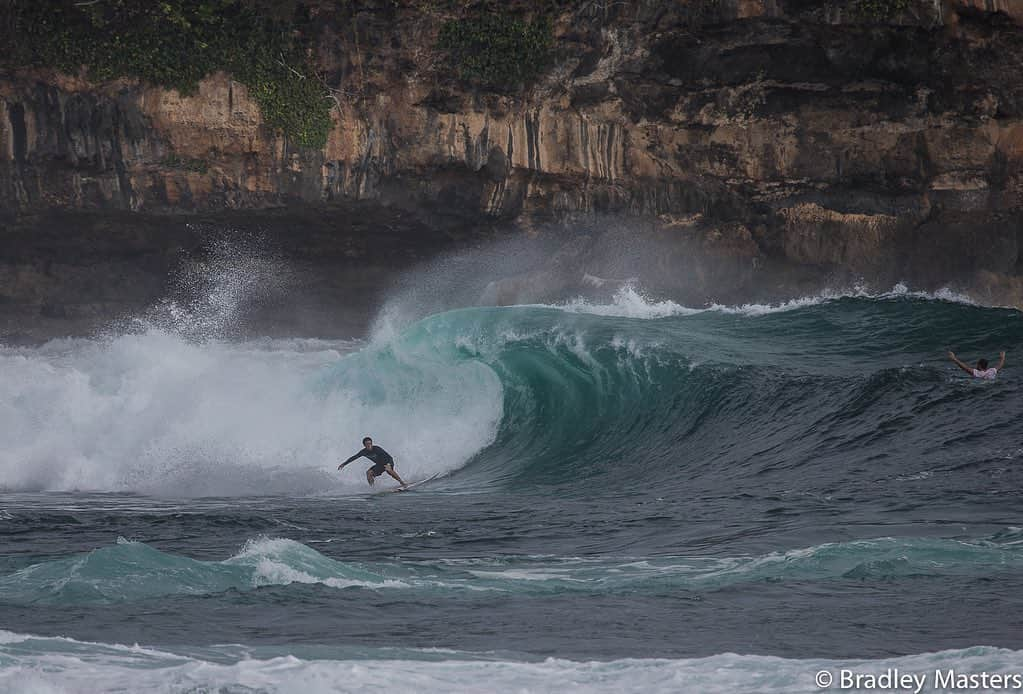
(413, 485)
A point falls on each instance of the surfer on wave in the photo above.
(382, 462)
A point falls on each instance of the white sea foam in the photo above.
(161, 414)
(276, 573)
(631, 302)
(171, 407)
(33, 665)
(280, 561)
(628, 302)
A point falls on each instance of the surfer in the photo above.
(982, 370)
(382, 461)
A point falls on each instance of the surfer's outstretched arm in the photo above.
(357, 455)
(964, 367)
(1001, 360)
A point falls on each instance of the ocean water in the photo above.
(629, 496)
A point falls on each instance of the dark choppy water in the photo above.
(633, 497)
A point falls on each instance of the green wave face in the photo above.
(835, 387)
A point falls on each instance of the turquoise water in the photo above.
(634, 495)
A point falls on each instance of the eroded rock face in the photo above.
(799, 138)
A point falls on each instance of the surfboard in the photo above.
(413, 485)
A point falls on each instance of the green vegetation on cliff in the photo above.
(879, 10)
(175, 43)
(497, 51)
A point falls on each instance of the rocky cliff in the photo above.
(779, 143)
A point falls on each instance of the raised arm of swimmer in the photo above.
(981, 370)
(964, 367)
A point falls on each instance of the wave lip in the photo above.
(30, 664)
(629, 301)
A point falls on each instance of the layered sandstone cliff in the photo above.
(771, 139)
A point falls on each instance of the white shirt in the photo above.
(988, 374)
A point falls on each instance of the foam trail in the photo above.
(37, 665)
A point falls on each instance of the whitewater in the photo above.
(628, 494)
